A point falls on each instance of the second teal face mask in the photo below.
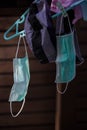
(65, 61)
(66, 58)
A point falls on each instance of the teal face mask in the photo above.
(65, 60)
(21, 80)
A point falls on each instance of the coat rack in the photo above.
(23, 16)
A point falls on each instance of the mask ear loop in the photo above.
(59, 91)
(11, 110)
(19, 41)
(62, 92)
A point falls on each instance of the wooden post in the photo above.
(58, 110)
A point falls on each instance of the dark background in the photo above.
(16, 3)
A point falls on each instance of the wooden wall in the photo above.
(39, 109)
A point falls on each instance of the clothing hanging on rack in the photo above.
(66, 3)
(22, 18)
(40, 32)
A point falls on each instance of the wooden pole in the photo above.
(58, 110)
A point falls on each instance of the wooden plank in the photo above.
(81, 103)
(9, 52)
(81, 24)
(36, 78)
(27, 119)
(29, 127)
(12, 11)
(83, 49)
(40, 92)
(30, 106)
(6, 22)
(81, 76)
(35, 66)
(7, 67)
(81, 115)
(81, 37)
(6, 80)
(6, 43)
(81, 126)
(81, 89)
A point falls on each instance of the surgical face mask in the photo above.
(65, 60)
(21, 79)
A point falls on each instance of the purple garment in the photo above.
(46, 35)
(65, 3)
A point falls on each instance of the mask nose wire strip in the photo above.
(19, 110)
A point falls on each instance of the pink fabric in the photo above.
(67, 3)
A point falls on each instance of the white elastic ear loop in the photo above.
(78, 64)
(19, 110)
(61, 24)
(25, 45)
(69, 23)
(18, 47)
(62, 92)
(20, 37)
